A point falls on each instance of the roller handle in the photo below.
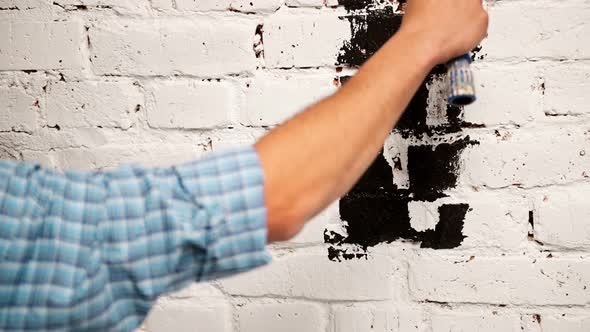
(461, 87)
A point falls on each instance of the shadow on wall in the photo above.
(376, 210)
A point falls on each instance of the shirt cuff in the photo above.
(230, 187)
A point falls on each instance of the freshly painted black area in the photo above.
(432, 169)
(448, 233)
(370, 30)
(375, 210)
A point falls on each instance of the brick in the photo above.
(505, 95)
(40, 45)
(303, 40)
(566, 90)
(19, 110)
(284, 317)
(191, 104)
(527, 158)
(21, 4)
(505, 280)
(250, 6)
(467, 322)
(203, 47)
(119, 6)
(210, 314)
(45, 139)
(525, 30)
(306, 3)
(493, 220)
(358, 318)
(270, 99)
(569, 323)
(562, 216)
(92, 104)
(314, 276)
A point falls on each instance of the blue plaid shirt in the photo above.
(93, 251)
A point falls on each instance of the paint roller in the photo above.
(461, 87)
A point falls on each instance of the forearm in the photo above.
(318, 155)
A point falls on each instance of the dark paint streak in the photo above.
(375, 210)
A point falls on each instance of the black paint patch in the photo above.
(432, 170)
(370, 30)
(376, 210)
(448, 233)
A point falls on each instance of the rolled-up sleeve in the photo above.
(97, 249)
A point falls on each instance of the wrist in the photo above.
(421, 46)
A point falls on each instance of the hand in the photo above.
(448, 28)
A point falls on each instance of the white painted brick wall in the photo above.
(40, 45)
(280, 316)
(94, 84)
(563, 215)
(154, 47)
(500, 280)
(93, 104)
(191, 104)
(465, 322)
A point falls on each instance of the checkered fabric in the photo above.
(93, 251)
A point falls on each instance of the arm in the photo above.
(318, 155)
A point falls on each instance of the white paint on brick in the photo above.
(362, 318)
(567, 88)
(181, 316)
(191, 104)
(297, 275)
(423, 215)
(19, 110)
(563, 216)
(92, 104)
(569, 323)
(280, 316)
(527, 158)
(40, 45)
(272, 99)
(496, 221)
(248, 6)
(21, 4)
(501, 280)
(468, 322)
(292, 39)
(529, 32)
(505, 95)
(125, 7)
(207, 47)
(308, 3)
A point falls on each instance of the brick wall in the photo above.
(470, 220)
